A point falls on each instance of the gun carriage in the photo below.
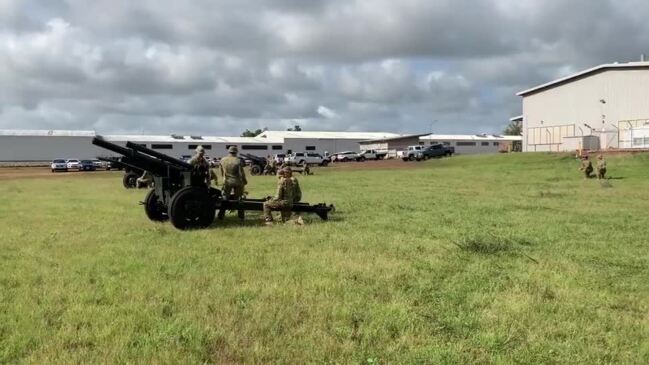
(257, 164)
(180, 194)
(130, 173)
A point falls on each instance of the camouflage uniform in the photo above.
(601, 167)
(586, 167)
(234, 178)
(297, 192)
(306, 170)
(284, 198)
(201, 166)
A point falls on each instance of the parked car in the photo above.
(437, 150)
(59, 165)
(73, 164)
(419, 153)
(347, 156)
(87, 165)
(299, 158)
(371, 155)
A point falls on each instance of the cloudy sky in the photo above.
(218, 67)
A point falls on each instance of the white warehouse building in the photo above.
(600, 108)
(43, 145)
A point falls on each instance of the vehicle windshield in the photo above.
(58, 161)
(86, 161)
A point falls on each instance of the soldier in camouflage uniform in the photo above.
(601, 167)
(234, 178)
(201, 166)
(284, 198)
(271, 166)
(586, 167)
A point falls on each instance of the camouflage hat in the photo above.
(287, 170)
(200, 149)
(233, 149)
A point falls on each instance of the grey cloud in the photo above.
(223, 66)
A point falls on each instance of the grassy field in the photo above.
(491, 259)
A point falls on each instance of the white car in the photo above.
(300, 158)
(347, 156)
(73, 164)
(59, 165)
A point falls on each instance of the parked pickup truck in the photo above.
(371, 155)
(423, 153)
(309, 158)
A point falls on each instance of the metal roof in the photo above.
(46, 133)
(326, 135)
(584, 74)
(394, 138)
(470, 137)
(189, 139)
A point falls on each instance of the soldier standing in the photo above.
(601, 167)
(234, 178)
(283, 199)
(201, 168)
(586, 167)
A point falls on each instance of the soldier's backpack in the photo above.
(297, 192)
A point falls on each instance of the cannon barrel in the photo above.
(181, 165)
(257, 159)
(134, 159)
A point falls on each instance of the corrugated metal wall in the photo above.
(599, 101)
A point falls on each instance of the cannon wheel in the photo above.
(130, 180)
(191, 207)
(153, 209)
(255, 170)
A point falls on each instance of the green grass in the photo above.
(490, 259)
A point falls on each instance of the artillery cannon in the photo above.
(130, 173)
(180, 194)
(257, 164)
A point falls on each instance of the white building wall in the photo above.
(469, 147)
(321, 145)
(562, 111)
(46, 148)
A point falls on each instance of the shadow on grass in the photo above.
(255, 220)
(490, 244)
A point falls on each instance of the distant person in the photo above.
(201, 168)
(144, 181)
(601, 167)
(234, 178)
(271, 166)
(284, 197)
(586, 167)
(305, 169)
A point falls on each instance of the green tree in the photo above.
(297, 128)
(515, 128)
(255, 133)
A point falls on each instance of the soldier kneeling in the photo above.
(288, 192)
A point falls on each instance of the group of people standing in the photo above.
(234, 182)
(587, 167)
